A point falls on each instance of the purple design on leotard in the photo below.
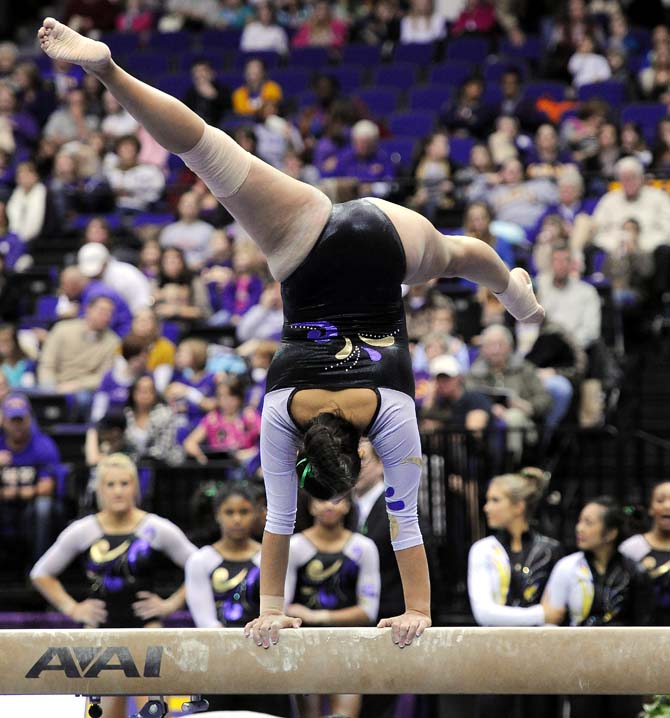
(327, 600)
(232, 610)
(140, 548)
(393, 505)
(319, 332)
(373, 354)
(113, 583)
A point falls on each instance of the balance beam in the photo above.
(338, 660)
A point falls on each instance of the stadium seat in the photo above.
(361, 54)
(416, 53)
(414, 123)
(311, 57)
(380, 101)
(401, 75)
(613, 92)
(430, 97)
(460, 148)
(473, 49)
(645, 114)
(350, 78)
(400, 149)
(452, 72)
(270, 58)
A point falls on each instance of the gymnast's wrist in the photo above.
(68, 607)
(272, 604)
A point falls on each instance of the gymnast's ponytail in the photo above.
(328, 462)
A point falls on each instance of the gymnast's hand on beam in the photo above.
(406, 627)
(265, 629)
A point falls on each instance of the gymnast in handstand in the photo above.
(343, 369)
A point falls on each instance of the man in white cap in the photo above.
(449, 403)
(94, 261)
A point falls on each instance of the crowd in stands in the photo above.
(542, 131)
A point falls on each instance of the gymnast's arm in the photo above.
(395, 438)
(44, 575)
(199, 593)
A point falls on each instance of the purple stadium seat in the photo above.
(231, 78)
(460, 148)
(400, 150)
(148, 63)
(492, 95)
(645, 114)
(269, 58)
(305, 99)
(349, 77)
(219, 59)
(417, 53)
(493, 70)
(452, 72)
(228, 39)
(312, 57)
(380, 101)
(473, 49)
(430, 97)
(175, 84)
(292, 79)
(613, 92)
(398, 74)
(531, 48)
(161, 218)
(546, 88)
(121, 43)
(169, 41)
(361, 54)
(414, 123)
(81, 220)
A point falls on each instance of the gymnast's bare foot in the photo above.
(62, 43)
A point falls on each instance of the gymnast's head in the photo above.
(328, 461)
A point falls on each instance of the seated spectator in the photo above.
(291, 14)
(449, 404)
(654, 81)
(265, 319)
(587, 65)
(65, 77)
(432, 176)
(72, 122)
(378, 25)
(561, 364)
(259, 354)
(206, 96)
(93, 91)
(477, 223)
(633, 143)
(150, 431)
(514, 102)
(9, 55)
(190, 393)
(234, 292)
(438, 336)
(180, 293)
(551, 234)
(366, 161)
(136, 186)
(569, 302)
(321, 29)
(29, 469)
(12, 247)
(480, 164)
(519, 398)
(507, 141)
(546, 158)
(189, 234)
(333, 139)
(649, 206)
(478, 16)
(230, 427)
(262, 33)
(276, 136)
(136, 17)
(661, 161)
(85, 16)
(515, 199)
(599, 166)
(628, 269)
(17, 368)
(19, 130)
(257, 89)
(78, 352)
(160, 350)
(149, 261)
(117, 121)
(422, 23)
(232, 13)
(95, 262)
(620, 36)
(468, 113)
(28, 207)
(617, 61)
(112, 394)
(570, 203)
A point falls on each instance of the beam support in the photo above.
(336, 660)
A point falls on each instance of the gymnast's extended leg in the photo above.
(282, 215)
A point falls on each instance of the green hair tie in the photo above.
(306, 472)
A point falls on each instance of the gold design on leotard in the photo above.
(101, 553)
(346, 350)
(412, 460)
(393, 527)
(585, 581)
(221, 581)
(529, 593)
(315, 570)
(501, 564)
(660, 571)
(387, 341)
(648, 562)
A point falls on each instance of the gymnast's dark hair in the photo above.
(234, 488)
(614, 517)
(328, 463)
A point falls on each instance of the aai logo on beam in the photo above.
(90, 661)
